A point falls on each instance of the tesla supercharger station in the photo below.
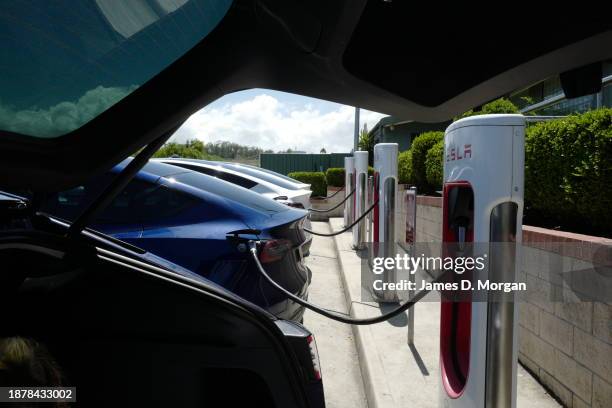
(482, 203)
(383, 220)
(360, 160)
(349, 167)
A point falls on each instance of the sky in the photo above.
(276, 120)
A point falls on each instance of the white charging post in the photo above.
(482, 203)
(349, 167)
(383, 224)
(361, 197)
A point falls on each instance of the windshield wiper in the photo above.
(116, 186)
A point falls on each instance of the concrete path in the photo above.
(339, 361)
(396, 375)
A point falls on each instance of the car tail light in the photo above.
(314, 355)
(305, 348)
(274, 250)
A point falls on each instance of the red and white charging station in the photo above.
(360, 160)
(383, 220)
(349, 168)
(482, 203)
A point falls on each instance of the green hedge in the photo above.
(434, 165)
(420, 146)
(316, 179)
(335, 176)
(501, 105)
(568, 170)
(404, 167)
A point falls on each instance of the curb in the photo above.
(376, 387)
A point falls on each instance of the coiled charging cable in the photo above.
(337, 316)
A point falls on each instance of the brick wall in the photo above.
(564, 340)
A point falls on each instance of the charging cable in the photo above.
(333, 195)
(337, 316)
(320, 234)
(334, 207)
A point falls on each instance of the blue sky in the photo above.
(276, 120)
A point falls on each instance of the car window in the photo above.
(126, 208)
(138, 201)
(264, 176)
(163, 203)
(272, 173)
(234, 179)
(229, 191)
(229, 177)
(64, 62)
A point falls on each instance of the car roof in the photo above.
(268, 173)
(216, 166)
(427, 64)
(205, 185)
(290, 185)
(271, 172)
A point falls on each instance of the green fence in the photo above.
(285, 163)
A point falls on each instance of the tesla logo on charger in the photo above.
(458, 153)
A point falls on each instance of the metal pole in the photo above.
(411, 210)
(356, 135)
(361, 174)
(349, 167)
(369, 217)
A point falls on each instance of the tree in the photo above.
(366, 143)
(323, 151)
(192, 149)
(501, 105)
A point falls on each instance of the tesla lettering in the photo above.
(453, 153)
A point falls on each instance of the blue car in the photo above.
(190, 219)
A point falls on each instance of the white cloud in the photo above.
(269, 123)
(63, 117)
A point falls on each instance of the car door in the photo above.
(178, 228)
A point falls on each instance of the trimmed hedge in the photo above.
(568, 170)
(404, 167)
(316, 179)
(335, 176)
(420, 146)
(434, 165)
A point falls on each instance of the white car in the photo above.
(297, 198)
(265, 174)
(268, 175)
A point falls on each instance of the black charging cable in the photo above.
(333, 195)
(334, 207)
(337, 316)
(320, 234)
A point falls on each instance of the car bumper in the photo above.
(290, 310)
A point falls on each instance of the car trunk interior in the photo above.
(118, 331)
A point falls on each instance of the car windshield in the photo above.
(65, 62)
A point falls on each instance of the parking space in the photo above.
(339, 361)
